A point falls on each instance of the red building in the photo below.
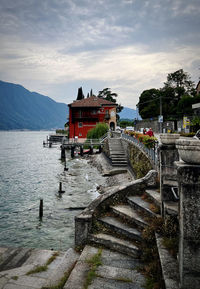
(84, 114)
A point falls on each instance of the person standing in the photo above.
(150, 132)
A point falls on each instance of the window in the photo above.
(80, 124)
(80, 134)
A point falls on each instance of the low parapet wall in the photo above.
(83, 222)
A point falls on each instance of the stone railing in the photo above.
(83, 222)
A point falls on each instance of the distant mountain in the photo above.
(128, 113)
(22, 109)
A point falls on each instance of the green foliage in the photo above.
(43, 267)
(110, 96)
(185, 105)
(195, 123)
(80, 94)
(148, 141)
(177, 97)
(125, 123)
(98, 131)
(62, 131)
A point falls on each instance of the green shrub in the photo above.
(98, 131)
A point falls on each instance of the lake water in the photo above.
(30, 172)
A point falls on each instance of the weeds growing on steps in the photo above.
(93, 262)
(43, 268)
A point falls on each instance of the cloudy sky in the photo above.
(55, 46)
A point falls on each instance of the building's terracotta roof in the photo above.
(92, 101)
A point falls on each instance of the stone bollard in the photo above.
(189, 212)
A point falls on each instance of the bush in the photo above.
(98, 131)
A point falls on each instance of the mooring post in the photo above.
(81, 150)
(72, 151)
(60, 187)
(65, 168)
(62, 152)
(41, 208)
(91, 150)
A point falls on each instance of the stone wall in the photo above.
(137, 159)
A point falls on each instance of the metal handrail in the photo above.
(151, 152)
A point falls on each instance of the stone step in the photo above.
(61, 265)
(154, 196)
(13, 257)
(119, 165)
(119, 161)
(116, 244)
(79, 273)
(129, 214)
(120, 228)
(169, 265)
(170, 207)
(141, 205)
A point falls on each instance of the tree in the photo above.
(181, 82)
(110, 96)
(80, 94)
(178, 85)
(148, 104)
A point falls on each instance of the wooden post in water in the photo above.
(41, 208)
(81, 150)
(60, 188)
(72, 151)
(62, 153)
(91, 150)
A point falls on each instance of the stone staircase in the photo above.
(118, 232)
(117, 153)
(121, 230)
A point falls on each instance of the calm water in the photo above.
(28, 173)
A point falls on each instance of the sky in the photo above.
(54, 47)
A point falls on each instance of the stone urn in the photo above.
(169, 138)
(189, 150)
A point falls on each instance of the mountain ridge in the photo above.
(21, 109)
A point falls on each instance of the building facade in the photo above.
(84, 114)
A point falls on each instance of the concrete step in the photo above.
(61, 265)
(169, 265)
(120, 228)
(130, 215)
(170, 207)
(143, 206)
(154, 196)
(116, 244)
(13, 257)
(119, 162)
(79, 273)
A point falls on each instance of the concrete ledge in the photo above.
(169, 266)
